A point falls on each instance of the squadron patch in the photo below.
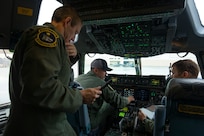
(47, 37)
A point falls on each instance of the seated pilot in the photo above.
(180, 69)
(103, 107)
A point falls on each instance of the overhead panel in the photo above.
(175, 19)
(135, 39)
(132, 28)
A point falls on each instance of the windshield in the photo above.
(156, 65)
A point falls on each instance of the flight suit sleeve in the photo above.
(75, 59)
(45, 73)
(112, 97)
(148, 125)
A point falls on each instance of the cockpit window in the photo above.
(199, 5)
(46, 10)
(5, 60)
(156, 65)
(161, 64)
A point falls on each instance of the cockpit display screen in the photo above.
(142, 95)
(155, 82)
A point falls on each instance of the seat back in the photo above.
(84, 120)
(184, 107)
(80, 120)
(159, 120)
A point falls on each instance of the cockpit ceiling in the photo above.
(93, 11)
(131, 28)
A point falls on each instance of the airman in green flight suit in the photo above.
(39, 78)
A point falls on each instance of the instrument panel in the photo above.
(147, 90)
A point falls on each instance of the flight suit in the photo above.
(38, 85)
(148, 125)
(100, 109)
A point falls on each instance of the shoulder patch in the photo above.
(47, 37)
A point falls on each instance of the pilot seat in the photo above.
(184, 107)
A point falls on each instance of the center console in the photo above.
(147, 91)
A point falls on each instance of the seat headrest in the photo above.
(185, 89)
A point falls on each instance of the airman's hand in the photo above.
(71, 49)
(90, 95)
(130, 99)
(141, 115)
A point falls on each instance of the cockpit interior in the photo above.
(130, 29)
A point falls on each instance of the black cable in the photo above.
(7, 55)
